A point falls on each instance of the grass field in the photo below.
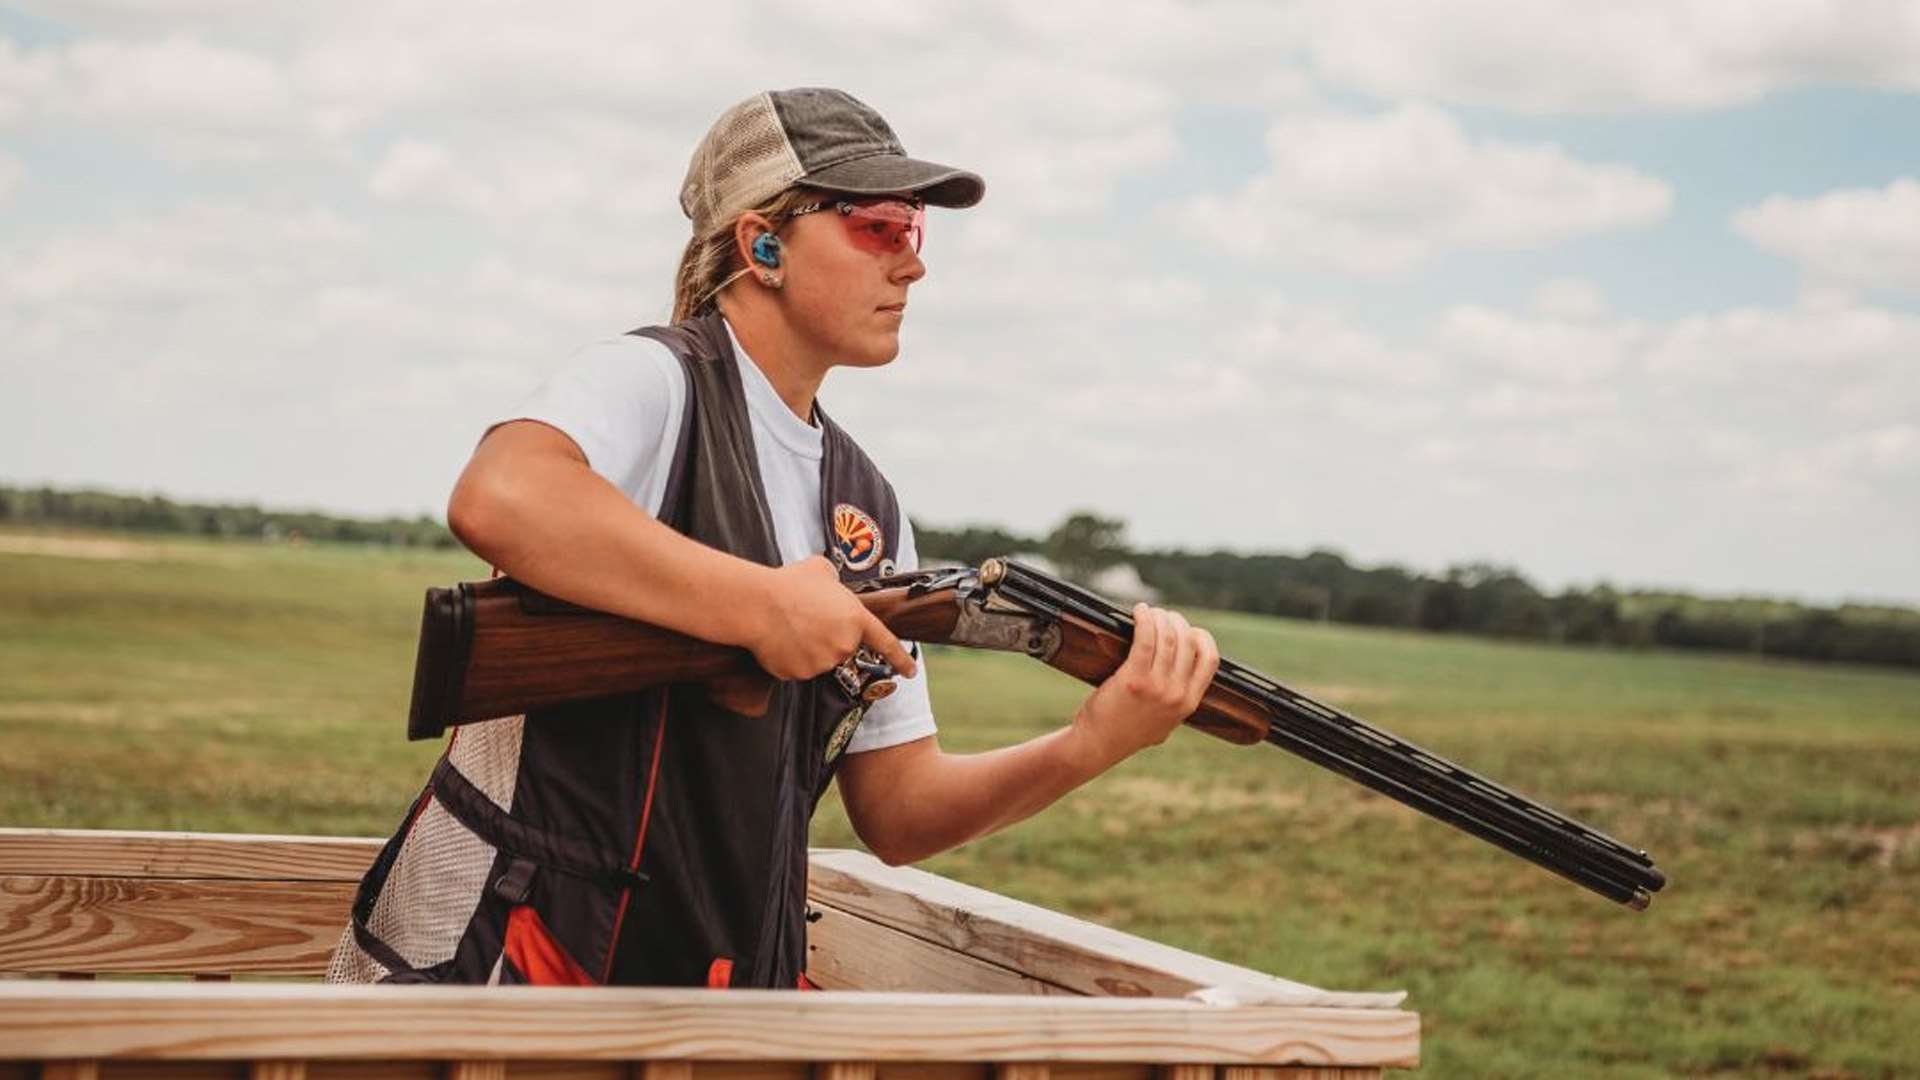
(176, 684)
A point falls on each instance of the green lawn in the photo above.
(182, 684)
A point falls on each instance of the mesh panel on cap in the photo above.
(743, 161)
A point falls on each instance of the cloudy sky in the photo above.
(1625, 291)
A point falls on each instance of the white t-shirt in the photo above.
(621, 400)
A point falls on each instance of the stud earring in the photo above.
(770, 281)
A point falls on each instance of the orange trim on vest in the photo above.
(539, 958)
(639, 840)
(720, 973)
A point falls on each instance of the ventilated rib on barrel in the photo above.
(1387, 763)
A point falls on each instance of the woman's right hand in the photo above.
(810, 622)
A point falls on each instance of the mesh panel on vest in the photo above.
(433, 888)
(351, 964)
(488, 755)
(745, 161)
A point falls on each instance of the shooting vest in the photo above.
(655, 838)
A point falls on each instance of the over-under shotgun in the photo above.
(498, 648)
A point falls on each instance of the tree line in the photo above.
(158, 514)
(1471, 598)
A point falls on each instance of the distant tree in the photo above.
(1086, 543)
(972, 544)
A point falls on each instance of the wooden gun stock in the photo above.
(499, 648)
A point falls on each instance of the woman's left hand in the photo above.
(1166, 673)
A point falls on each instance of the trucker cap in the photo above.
(814, 136)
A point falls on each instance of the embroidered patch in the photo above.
(843, 732)
(856, 537)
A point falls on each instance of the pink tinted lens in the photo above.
(885, 227)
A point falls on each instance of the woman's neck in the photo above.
(779, 355)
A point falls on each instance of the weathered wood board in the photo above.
(52, 1021)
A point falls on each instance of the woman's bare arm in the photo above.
(914, 800)
(529, 504)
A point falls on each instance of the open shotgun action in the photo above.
(498, 648)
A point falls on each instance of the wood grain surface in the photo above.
(1072, 953)
(191, 903)
(47, 1020)
(134, 925)
(535, 1069)
(848, 952)
(117, 853)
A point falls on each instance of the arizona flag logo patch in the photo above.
(856, 537)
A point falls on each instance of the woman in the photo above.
(686, 476)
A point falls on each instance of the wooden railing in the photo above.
(927, 979)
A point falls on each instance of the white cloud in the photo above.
(24, 78)
(1570, 56)
(1380, 193)
(1859, 237)
(1573, 299)
(12, 175)
(201, 252)
(189, 98)
(516, 182)
(1854, 463)
(1539, 347)
(1825, 338)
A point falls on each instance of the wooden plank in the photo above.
(374, 1069)
(847, 952)
(277, 1069)
(1022, 1070)
(664, 1070)
(129, 1069)
(1184, 1072)
(80, 1069)
(574, 1070)
(752, 1070)
(477, 1069)
(126, 925)
(1046, 945)
(845, 1070)
(1312, 1072)
(268, 1020)
(934, 1070)
(117, 853)
(1101, 1070)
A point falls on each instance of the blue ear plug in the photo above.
(766, 249)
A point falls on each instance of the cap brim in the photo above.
(884, 174)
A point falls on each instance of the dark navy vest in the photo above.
(660, 838)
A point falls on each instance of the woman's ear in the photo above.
(747, 230)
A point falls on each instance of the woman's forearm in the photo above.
(530, 506)
(911, 801)
(915, 801)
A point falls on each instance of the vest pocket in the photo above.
(536, 957)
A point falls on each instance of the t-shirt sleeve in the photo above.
(620, 401)
(907, 713)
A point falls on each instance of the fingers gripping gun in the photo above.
(498, 648)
